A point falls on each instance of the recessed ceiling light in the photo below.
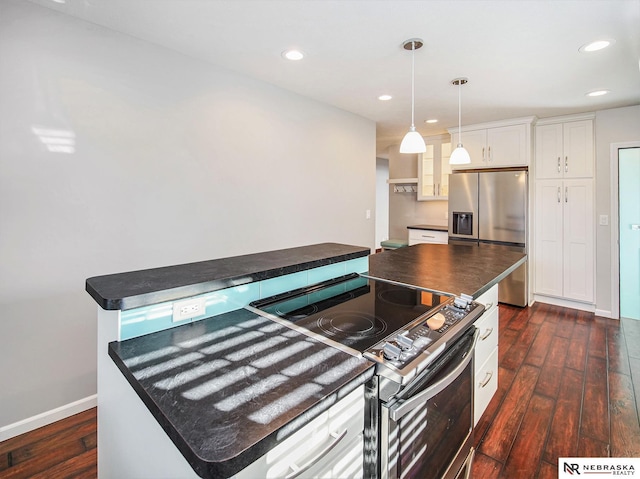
(598, 92)
(595, 46)
(385, 97)
(433, 120)
(293, 55)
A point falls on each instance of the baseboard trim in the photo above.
(47, 417)
(566, 303)
(605, 314)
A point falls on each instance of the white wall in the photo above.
(617, 125)
(173, 161)
(382, 200)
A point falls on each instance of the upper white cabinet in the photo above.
(564, 149)
(434, 169)
(496, 145)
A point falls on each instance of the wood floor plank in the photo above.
(485, 467)
(82, 466)
(537, 353)
(89, 415)
(564, 433)
(524, 458)
(514, 358)
(506, 340)
(502, 432)
(550, 378)
(595, 406)
(598, 340)
(588, 447)
(566, 323)
(617, 350)
(579, 340)
(547, 471)
(625, 429)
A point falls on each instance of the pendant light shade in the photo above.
(459, 156)
(412, 141)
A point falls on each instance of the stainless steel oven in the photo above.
(426, 429)
(420, 402)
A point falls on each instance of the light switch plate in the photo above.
(604, 220)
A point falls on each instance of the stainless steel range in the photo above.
(422, 343)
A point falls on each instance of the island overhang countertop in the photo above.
(445, 268)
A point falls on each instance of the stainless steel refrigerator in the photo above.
(491, 208)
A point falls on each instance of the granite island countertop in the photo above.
(446, 268)
(156, 285)
(228, 389)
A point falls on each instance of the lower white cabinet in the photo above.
(486, 354)
(329, 446)
(417, 236)
(564, 244)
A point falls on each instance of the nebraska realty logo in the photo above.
(594, 467)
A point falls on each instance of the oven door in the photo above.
(428, 434)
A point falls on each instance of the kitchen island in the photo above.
(218, 393)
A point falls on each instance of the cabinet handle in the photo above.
(434, 190)
(488, 306)
(558, 164)
(489, 154)
(487, 334)
(486, 379)
(558, 194)
(428, 236)
(483, 157)
(566, 164)
(566, 194)
(299, 470)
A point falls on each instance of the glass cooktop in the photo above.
(352, 310)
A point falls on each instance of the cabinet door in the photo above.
(578, 240)
(426, 175)
(475, 142)
(578, 149)
(548, 227)
(507, 146)
(549, 157)
(445, 171)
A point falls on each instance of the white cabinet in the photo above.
(486, 354)
(434, 169)
(496, 145)
(564, 149)
(329, 446)
(417, 236)
(564, 244)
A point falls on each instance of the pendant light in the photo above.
(459, 156)
(412, 141)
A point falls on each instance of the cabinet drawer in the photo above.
(486, 384)
(427, 236)
(489, 298)
(317, 444)
(488, 338)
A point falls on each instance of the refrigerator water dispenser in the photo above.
(462, 223)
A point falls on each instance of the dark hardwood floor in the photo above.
(568, 383)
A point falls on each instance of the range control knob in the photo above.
(436, 321)
(391, 351)
(404, 342)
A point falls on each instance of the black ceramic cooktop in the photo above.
(352, 310)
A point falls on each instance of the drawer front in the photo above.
(489, 298)
(486, 385)
(427, 236)
(488, 337)
(320, 442)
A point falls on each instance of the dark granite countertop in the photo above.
(150, 286)
(453, 269)
(428, 227)
(229, 388)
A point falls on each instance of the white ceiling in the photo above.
(521, 56)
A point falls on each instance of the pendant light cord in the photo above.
(413, 79)
(459, 114)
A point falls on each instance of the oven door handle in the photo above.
(399, 410)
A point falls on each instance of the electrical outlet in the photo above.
(604, 220)
(367, 214)
(187, 309)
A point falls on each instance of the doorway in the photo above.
(627, 230)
